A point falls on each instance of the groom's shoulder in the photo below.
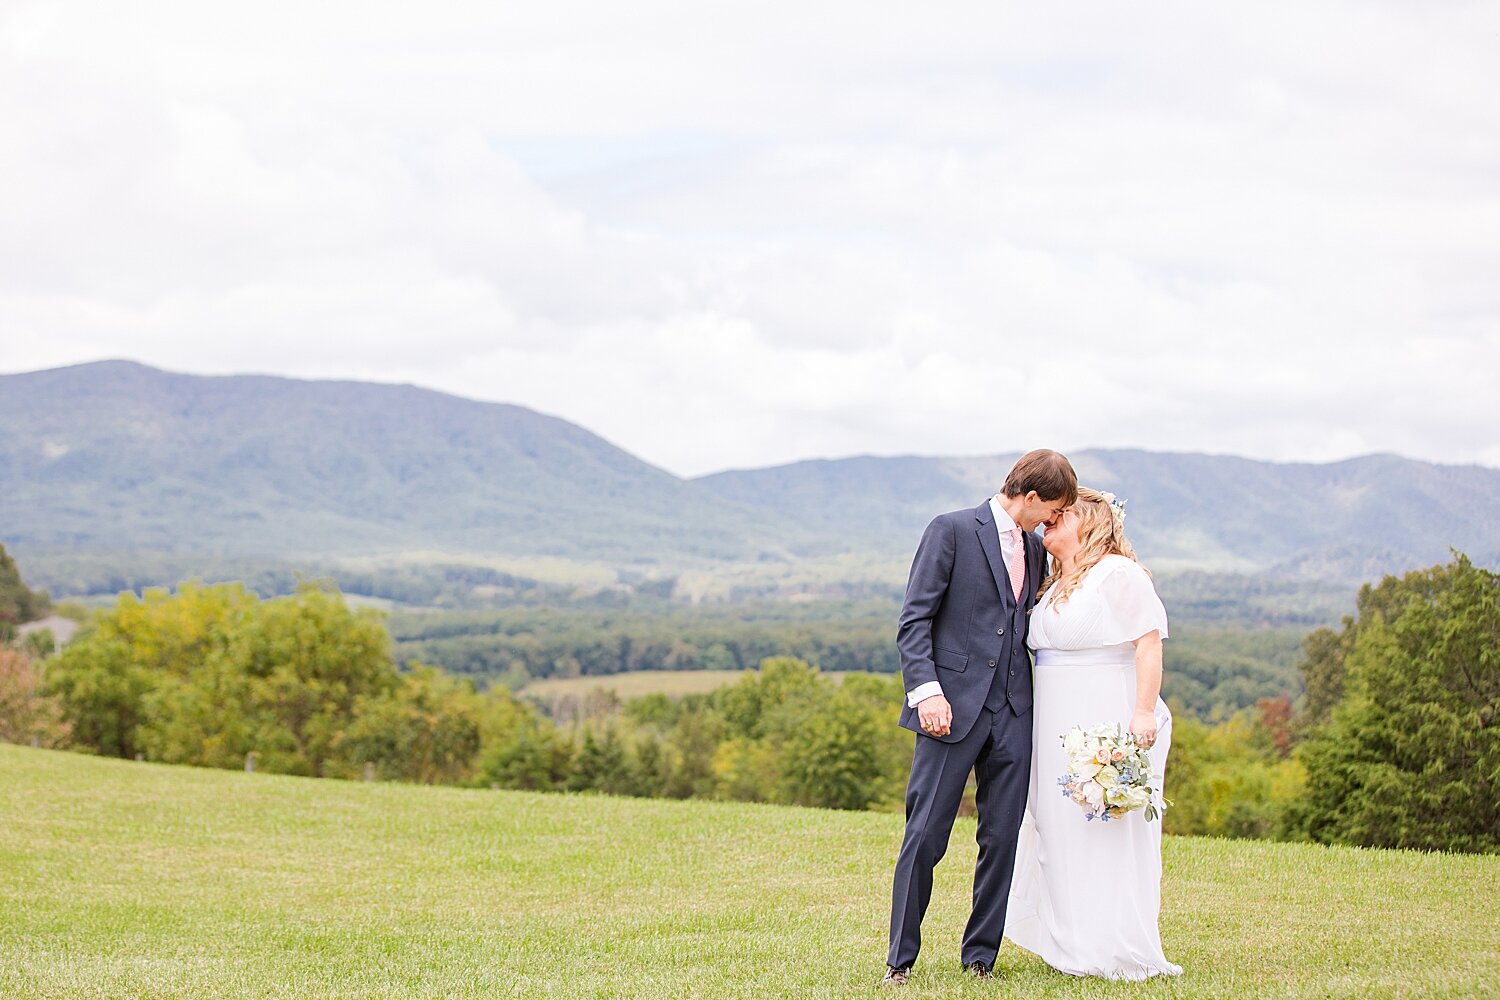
(955, 525)
(964, 516)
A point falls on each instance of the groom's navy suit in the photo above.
(962, 626)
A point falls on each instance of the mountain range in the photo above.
(115, 456)
(119, 458)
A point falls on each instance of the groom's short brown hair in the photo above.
(1045, 471)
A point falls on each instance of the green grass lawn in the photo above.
(120, 879)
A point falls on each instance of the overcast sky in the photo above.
(739, 234)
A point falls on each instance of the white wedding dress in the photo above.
(1086, 894)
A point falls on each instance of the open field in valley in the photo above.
(636, 683)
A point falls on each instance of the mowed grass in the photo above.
(636, 683)
(120, 879)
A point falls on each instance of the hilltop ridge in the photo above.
(117, 457)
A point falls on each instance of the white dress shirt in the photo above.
(1003, 524)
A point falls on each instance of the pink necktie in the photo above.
(1017, 567)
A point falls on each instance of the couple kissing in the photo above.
(981, 599)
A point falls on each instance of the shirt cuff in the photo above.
(922, 692)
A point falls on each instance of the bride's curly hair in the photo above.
(1101, 532)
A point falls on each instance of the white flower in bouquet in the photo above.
(1086, 770)
(1109, 773)
(1093, 795)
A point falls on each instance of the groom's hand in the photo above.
(936, 715)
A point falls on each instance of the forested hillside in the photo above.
(115, 457)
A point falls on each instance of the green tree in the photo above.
(602, 764)
(1322, 667)
(848, 752)
(761, 712)
(798, 736)
(310, 659)
(747, 770)
(426, 729)
(18, 604)
(827, 759)
(782, 684)
(653, 711)
(1410, 755)
(690, 748)
(891, 747)
(519, 749)
(653, 767)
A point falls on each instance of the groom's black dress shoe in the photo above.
(978, 970)
(894, 976)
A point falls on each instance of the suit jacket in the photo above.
(961, 624)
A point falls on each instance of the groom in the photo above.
(967, 671)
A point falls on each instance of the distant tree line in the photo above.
(435, 585)
(517, 646)
(1211, 672)
(1251, 601)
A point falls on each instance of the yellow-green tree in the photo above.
(1228, 780)
(210, 674)
(309, 659)
(426, 729)
(142, 658)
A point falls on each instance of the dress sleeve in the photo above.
(1131, 607)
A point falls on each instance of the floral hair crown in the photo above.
(1116, 506)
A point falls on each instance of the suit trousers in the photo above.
(998, 750)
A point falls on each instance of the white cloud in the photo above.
(738, 234)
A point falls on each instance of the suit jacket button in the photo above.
(999, 631)
(1013, 673)
(992, 663)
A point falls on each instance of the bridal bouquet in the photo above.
(1109, 773)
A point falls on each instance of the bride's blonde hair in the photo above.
(1101, 532)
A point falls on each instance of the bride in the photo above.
(1086, 895)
